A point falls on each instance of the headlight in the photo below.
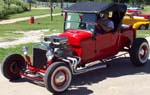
(25, 50)
(49, 55)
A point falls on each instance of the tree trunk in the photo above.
(62, 1)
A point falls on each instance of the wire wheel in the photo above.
(143, 52)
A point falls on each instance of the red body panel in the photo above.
(105, 45)
(126, 37)
(76, 36)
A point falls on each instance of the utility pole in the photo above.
(62, 1)
(62, 6)
(51, 9)
(30, 1)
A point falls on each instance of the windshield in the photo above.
(84, 21)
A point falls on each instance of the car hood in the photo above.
(75, 36)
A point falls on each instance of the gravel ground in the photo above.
(31, 36)
(120, 78)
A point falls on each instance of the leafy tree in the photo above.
(2, 4)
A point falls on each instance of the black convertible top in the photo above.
(96, 7)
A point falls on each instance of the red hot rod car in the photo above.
(59, 57)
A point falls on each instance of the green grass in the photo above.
(143, 33)
(34, 12)
(146, 9)
(15, 49)
(42, 23)
(9, 35)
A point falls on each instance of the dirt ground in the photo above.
(120, 78)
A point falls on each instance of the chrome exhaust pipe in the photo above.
(74, 61)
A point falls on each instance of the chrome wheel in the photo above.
(58, 77)
(143, 52)
(61, 78)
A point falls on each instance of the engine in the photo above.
(59, 45)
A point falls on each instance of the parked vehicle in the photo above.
(137, 22)
(139, 13)
(58, 58)
(136, 7)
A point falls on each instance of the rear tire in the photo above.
(58, 77)
(12, 65)
(139, 52)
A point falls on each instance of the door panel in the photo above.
(106, 45)
(88, 50)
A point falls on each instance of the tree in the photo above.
(62, 1)
(30, 3)
(7, 2)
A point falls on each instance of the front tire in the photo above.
(12, 65)
(147, 26)
(143, 27)
(139, 52)
(58, 77)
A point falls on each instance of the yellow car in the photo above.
(136, 22)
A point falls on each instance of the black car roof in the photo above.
(96, 7)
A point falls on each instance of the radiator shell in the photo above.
(39, 58)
